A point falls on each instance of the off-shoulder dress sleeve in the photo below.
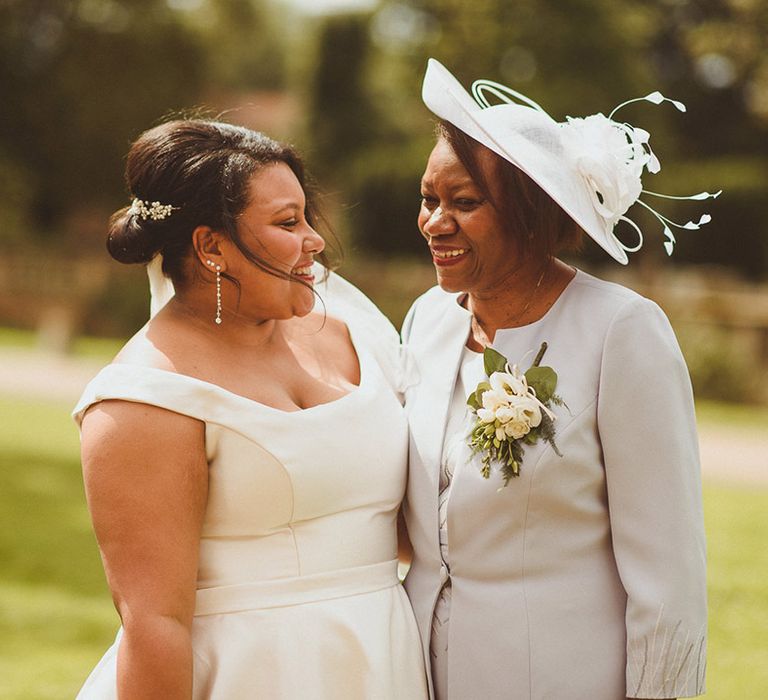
(647, 429)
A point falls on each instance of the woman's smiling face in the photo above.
(470, 248)
(274, 228)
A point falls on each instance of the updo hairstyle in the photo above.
(202, 169)
(538, 223)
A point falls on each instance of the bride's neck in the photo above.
(234, 329)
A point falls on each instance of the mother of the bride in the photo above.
(555, 515)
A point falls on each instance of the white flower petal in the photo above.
(485, 415)
(504, 414)
(505, 383)
(610, 157)
(492, 399)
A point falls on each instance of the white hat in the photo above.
(590, 166)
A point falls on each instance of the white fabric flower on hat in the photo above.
(610, 157)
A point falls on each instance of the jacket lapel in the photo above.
(436, 349)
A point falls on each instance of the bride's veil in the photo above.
(160, 287)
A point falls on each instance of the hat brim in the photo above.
(495, 128)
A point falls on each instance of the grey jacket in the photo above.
(584, 579)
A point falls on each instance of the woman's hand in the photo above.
(146, 480)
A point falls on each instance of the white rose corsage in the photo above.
(512, 409)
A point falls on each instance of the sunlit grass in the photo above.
(56, 616)
(17, 338)
(737, 532)
(97, 348)
(51, 638)
(103, 349)
(733, 415)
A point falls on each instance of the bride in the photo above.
(245, 454)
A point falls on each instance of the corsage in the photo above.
(512, 409)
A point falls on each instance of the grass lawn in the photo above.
(56, 617)
(737, 531)
(84, 346)
(738, 416)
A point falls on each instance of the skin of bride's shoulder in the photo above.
(113, 425)
(139, 350)
(117, 417)
(170, 343)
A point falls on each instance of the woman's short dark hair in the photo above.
(203, 169)
(532, 217)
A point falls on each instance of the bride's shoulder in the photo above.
(139, 351)
(168, 341)
(143, 369)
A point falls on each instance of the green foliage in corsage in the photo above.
(512, 409)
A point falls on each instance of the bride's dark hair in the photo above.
(202, 169)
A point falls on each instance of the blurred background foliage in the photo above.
(80, 79)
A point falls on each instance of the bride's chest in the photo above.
(268, 467)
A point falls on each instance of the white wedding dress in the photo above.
(297, 592)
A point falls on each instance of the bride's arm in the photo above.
(146, 481)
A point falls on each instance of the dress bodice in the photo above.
(290, 493)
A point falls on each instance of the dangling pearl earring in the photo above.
(218, 294)
(218, 291)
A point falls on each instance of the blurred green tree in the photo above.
(341, 123)
(243, 42)
(81, 78)
(713, 54)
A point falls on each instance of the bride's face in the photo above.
(274, 228)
